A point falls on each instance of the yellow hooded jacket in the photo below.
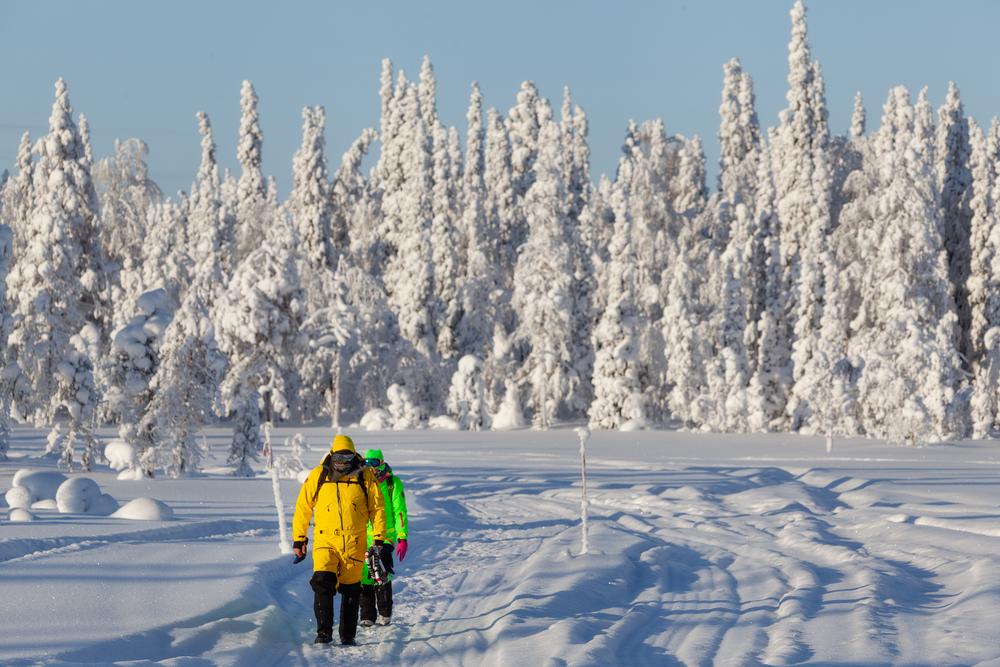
(342, 507)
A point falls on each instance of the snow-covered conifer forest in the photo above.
(481, 277)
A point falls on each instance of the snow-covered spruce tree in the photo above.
(351, 229)
(427, 89)
(250, 203)
(739, 137)
(165, 260)
(467, 395)
(801, 141)
(127, 194)
(78, 395)
(373, 356)
(8, 371)
(909, 389)
(185, 387)
(686, 347)
(857, 118)
(543, 277)
(502, 212)
(133, 361)
(983, 285)
(739, 172)
(330, 324)
(258, 321)
(524, 123)
(771, 381)
(409, 275)
(309, 203)
(18, 198)
(481, 300)
(210, 224)
(446, 242)
(617, 389)
(573, 137)
(955, 180)
(53, 286)
(688, 193)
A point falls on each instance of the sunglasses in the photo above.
(342, 457)
(374, 463)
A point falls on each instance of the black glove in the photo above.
(299, 547)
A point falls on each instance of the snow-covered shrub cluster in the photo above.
(830, 283)
(49, 490)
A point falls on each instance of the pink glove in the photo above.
(401, 549)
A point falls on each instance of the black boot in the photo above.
(324, 585)
(383, 598)
(367, 604)
(350, 600)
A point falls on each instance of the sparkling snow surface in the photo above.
(703, 549)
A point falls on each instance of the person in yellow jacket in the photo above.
(343, 496)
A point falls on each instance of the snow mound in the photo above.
(82, 495)
(42, 484)
(47, 504)
(120, 455)
(443, 423)
(18, 497)
(144, 509)
(19, 514)
(376, 420)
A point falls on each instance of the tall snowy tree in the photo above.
(983, 285)
(542, 295)
(54, 284)
(134, 360)
(258, 321)
(250, 202)
(8, 372)
(617, 391)
(309, 203)
(955, 180)
(185, 387)
(211, 243)
(502, 212)
(912, 375)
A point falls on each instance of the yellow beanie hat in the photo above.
(342, 443)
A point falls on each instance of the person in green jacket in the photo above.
(378, 597)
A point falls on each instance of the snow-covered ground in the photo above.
(704, 549)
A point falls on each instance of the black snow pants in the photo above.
(324, 585)
(375, 598)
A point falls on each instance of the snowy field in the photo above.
(704, 549)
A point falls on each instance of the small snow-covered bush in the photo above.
(19, 514)
(443, 423)
(376, 420)
(288, 466)
(144, 509)
(510, 415)
(82, 495)
(41, 483)
(18, 497)
(122, 456)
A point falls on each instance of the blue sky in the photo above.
(143, 69)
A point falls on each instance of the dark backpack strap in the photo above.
(322, 480)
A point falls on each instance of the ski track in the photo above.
(736, 566)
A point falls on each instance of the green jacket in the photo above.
(395, 517)
(395, 510)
